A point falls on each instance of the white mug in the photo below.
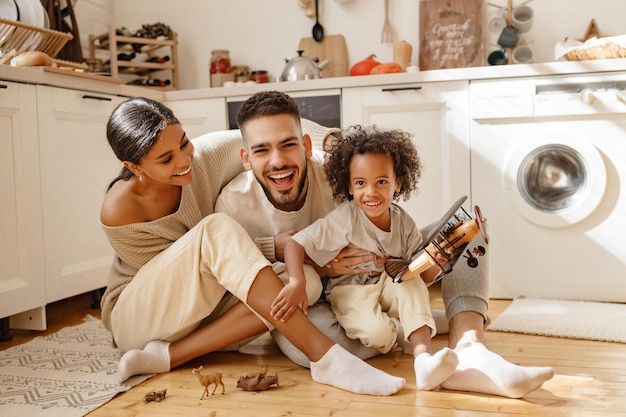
(496, 21)
(523, 18)
(523, 55)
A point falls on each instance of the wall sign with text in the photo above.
(451, 34)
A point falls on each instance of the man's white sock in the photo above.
(481, 370)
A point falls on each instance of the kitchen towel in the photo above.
(66, 374)
(564, 318)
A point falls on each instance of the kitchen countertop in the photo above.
(458, 74)
(38, 76)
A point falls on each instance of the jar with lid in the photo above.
(242, 73)
(260, 76)
(220, 62)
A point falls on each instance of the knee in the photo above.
(314, 286)
(375, 335)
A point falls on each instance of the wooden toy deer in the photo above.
(206, 380)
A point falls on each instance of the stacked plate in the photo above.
(31, 12)
(28, 12)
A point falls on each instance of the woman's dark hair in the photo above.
(132, 129)
(359, 140)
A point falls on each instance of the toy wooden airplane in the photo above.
(444, 245)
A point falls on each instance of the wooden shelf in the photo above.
(145, 48)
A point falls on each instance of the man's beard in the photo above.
(286, 200)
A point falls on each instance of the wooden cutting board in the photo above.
(332, 48)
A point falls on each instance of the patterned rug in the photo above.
(564, 318)
(65, 374)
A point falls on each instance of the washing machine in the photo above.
(548, 167)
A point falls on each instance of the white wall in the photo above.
(262, 34)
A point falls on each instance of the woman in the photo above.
(184, 282)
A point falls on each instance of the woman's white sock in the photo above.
(154, 358)
(432, 370)
(341, 369)
(481, 370)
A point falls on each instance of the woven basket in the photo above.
(607, 50)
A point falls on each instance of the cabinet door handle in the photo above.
(97, 97)
(402, 88)
(4, 86)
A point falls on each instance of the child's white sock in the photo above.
(152, 359)
(341, 369)
(432, 370)
(481, 370)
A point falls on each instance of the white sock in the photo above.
(341, 369)
(152, 359)
(481, 370)
(432, 370)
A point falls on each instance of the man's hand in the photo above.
(343, 262)
(280, 241)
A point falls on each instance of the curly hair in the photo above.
(360, 140)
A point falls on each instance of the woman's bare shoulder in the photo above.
(120, 206)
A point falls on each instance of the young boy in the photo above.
(370, 169)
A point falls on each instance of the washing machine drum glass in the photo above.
(552, 177)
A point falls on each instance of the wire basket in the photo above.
(20, 37)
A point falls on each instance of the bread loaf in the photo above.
(32, 59)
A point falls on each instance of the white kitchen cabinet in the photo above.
(76, 166)
(437, 115)
(200, 116)
(22, 281)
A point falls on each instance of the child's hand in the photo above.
(288, 300)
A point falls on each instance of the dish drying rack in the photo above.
(18, 37)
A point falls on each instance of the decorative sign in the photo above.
(451, 34)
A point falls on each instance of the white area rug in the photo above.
(65, 374)
(564, 318)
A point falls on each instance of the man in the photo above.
(284, 189)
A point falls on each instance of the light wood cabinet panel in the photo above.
(76, 167)
(200, 116)
(22, 281)
(436, 114)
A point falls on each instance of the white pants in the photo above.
(365, 311)
(186, 283)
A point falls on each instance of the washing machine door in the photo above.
(555, 182)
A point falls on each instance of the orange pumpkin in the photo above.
(364, 67)
(386, 68)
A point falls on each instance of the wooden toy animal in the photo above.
(206, 380)
(258, 383)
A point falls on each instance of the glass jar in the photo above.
(220, 62)
(242, 73)
(260, 76)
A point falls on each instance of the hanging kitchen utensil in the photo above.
(387, 35)
(318, 30)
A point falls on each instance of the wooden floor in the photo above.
(590, 380)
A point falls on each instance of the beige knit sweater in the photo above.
(216, 161)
